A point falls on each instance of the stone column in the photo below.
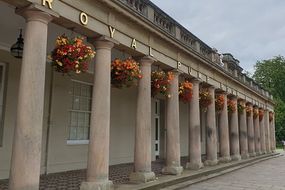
(142, 159)
(211, 133)
(27, 142)
(173, 165)
(243, 133)
(274, 134)
(98, 153)
(272, 130)
(262, 135)
(224, 132)
(250, 132)
(195, 161)
(256, 134)
(234, 132)
(267, 132)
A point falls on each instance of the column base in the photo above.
(142, 177)
(244, 156)
(236, 157)
(225, 159)
(211, 162)
(253, 154)
(258, 153)
(104, 185)
(194, 166)
(172, 170)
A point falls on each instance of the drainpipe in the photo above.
(49, 119)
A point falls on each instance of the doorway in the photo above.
(157, 129)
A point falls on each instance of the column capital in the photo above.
(195, 80)
(37, 12)
(241, 100)
(102, 42)
(232, 97)
(222, 92)
(211, 87)
(146, 60)
(249, 104)
(208, 86)
(176, 72)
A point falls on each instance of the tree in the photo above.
(271, 75)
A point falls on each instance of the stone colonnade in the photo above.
(239, 133)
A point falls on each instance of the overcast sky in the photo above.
(251, 30)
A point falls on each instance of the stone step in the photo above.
(189, 177)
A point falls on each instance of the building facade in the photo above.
(52, 122)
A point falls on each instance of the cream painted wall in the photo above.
(203, 130)
(183, 114)
(9, 110)
(61, 156)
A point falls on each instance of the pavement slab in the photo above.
(266, 175)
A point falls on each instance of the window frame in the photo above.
(78, 141)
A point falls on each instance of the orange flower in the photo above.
(125, 73)
(241, 106)
(255, 113)
(261, 114)
(71, 55)
(185, 91)
(220, 102)
(248, 110)
(231, 106)
(271, 114)
(205, 99)
(160, 83)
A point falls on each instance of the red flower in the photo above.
(71, 55)
(160, 83)
(185, 91)
(125, 73)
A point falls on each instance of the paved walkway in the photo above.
(267, 175)
(71, 180)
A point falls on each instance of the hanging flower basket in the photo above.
(261, 114)
(125, 73)
(241, 106)
(160, 83)
(248, 110)
(255, 113)
(220, 102)
(71, 55)
(185, 91)
(205, 99)
(271, 116)
(231, 106)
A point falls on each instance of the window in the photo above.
(2, 89)
(80, 111)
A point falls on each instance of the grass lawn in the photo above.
(279, 150)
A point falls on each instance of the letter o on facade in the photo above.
(83, 18)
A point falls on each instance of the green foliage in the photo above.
(280, 118)
(271, 75)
